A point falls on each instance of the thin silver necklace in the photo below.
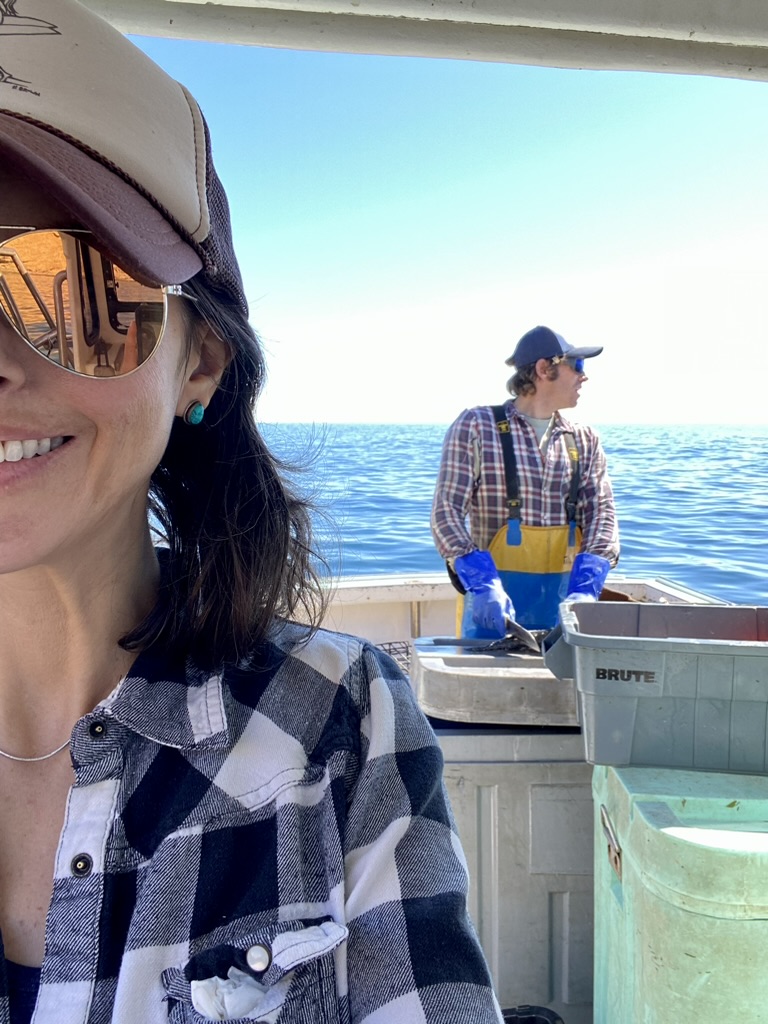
(43, 757)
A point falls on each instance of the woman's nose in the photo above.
(11, 345)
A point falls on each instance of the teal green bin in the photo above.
(681, 897)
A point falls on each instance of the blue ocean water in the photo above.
(692, 501)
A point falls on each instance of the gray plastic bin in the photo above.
(682, 686)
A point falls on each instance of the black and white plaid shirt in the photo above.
(273, 844)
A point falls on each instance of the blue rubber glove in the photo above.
(587, 577)
(491, 606)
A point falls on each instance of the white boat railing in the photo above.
(392, 609)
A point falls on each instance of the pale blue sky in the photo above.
(401, 221)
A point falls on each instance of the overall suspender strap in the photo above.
(510, 465)
(573, 493)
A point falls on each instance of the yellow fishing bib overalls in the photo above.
(534, 562)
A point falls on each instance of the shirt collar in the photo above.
(172, 702)
(559, 426)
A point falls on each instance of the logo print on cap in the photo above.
(13, 24)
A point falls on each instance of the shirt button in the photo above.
(97, 729)
(81, 865)
(258, 958)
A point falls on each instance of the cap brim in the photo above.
(584, 353)
(134, 233)
(572, 353)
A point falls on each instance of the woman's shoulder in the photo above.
(342, 659)
(325, 649)
(323, 675)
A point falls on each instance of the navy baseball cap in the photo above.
(544, 343)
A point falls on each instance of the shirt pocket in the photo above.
(282, 974)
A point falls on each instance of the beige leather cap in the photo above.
(114, 139)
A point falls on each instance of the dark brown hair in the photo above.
(239, 538)
(523, 381)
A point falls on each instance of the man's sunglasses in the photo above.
(575, 364)
(74, 307)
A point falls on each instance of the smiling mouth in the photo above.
(15, 451)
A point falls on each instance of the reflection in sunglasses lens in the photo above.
(76, 308)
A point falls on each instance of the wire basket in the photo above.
(531, 1015)
(400, 652)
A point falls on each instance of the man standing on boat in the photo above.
(523, 510)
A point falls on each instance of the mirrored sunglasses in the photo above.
(575, 364)
(75, 307)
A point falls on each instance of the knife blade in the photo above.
(515, 632)
(523, 635)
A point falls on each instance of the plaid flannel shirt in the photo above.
(287, 820)
(471, 484)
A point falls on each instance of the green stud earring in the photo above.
(193, 414)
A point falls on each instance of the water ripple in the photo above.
(692, 501)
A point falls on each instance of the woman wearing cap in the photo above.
(206, 812)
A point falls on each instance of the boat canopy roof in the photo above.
(718, 37)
